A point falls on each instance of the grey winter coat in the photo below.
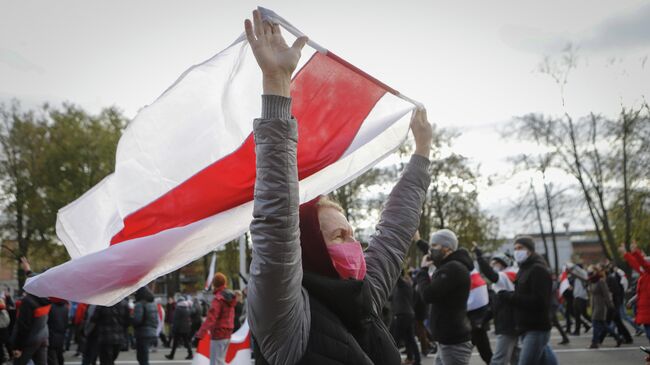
(601, 300)
(278, 305)
(145, 314)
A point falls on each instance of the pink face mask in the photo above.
(348, 260)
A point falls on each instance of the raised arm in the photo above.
(484, 266)
(400, 217)
(277, 304)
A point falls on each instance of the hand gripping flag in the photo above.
(185, 167)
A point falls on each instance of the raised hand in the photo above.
(422, 131)
(276, 59)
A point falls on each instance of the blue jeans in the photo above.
(646, 327)
(535, 349)
(505, 351)
(628, 319)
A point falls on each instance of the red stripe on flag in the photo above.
(477, 281)
(511, 275)
(331, 101)
(234, 347)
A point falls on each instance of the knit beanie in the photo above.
(526, 241)
(445, 238)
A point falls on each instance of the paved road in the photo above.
(574, 353)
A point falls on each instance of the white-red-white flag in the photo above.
(213, 264)
(564, 283)
(238, 352)
(478, 291)
(185, 167)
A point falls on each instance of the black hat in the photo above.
(526, 241)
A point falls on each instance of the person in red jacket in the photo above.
(636, 259)
(220, 320)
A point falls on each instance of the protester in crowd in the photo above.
(479, 319)
(554, 308)
(636, 259)
(197, 314)
(580, 298)
(145, 323)
(110, 323)
(181, 327)
(615, 285)
(567, 295)
(70, 328)
(448, 290)
(502, 276)
(220, 320)
(30, 334)
(57, 325)
(90, 347)
(170, 306)
(5, 321)
(323, 307)
(420, 310)
(531, 301)
(78, 325)
(404, 316)
(239, 309)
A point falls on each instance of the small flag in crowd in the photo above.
(213, 264)
(185, 167)
(238, 352)
(478, 291)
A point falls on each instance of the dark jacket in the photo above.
(401, 302)
(448, 291)
(344, 329)
(616, 288)
(532, 296)
(31, 322)
(57, 323)
(145, 314)
(504, 318)
(110, 323)
(182, 321)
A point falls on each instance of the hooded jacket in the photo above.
(532, 296)
(145, 314)
(57, 323)
(299, 311)
(31, 322)
(447, 290)
(221, 315)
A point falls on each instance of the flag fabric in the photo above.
(478, 291)
(161, 317)
(185, 167)
(213, 264)
(564, 283)
(238, 352)
(506, 280)
(624, 281)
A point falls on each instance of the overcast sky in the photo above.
(473, 64)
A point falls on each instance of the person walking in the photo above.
(145, 323)
(636, 259)
(57, 324)
(220, 320)
(615, 285)
(501, 274)
(314, 296)
(181, 327)
(109, 324)
(531, 301)
(580, 299)
(447, 291)
(404, 317)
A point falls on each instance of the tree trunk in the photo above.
(626, 190)
(539, 221)
(551, 220)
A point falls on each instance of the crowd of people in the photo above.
(40, 330)
(316, 297)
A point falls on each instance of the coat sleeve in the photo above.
(278, 306)
(211, 319)
(543, 284)
(487, 270)
(394, 233)
(436, 287)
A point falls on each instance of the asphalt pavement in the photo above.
(576, 352)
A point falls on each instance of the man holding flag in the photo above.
(314, 295)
